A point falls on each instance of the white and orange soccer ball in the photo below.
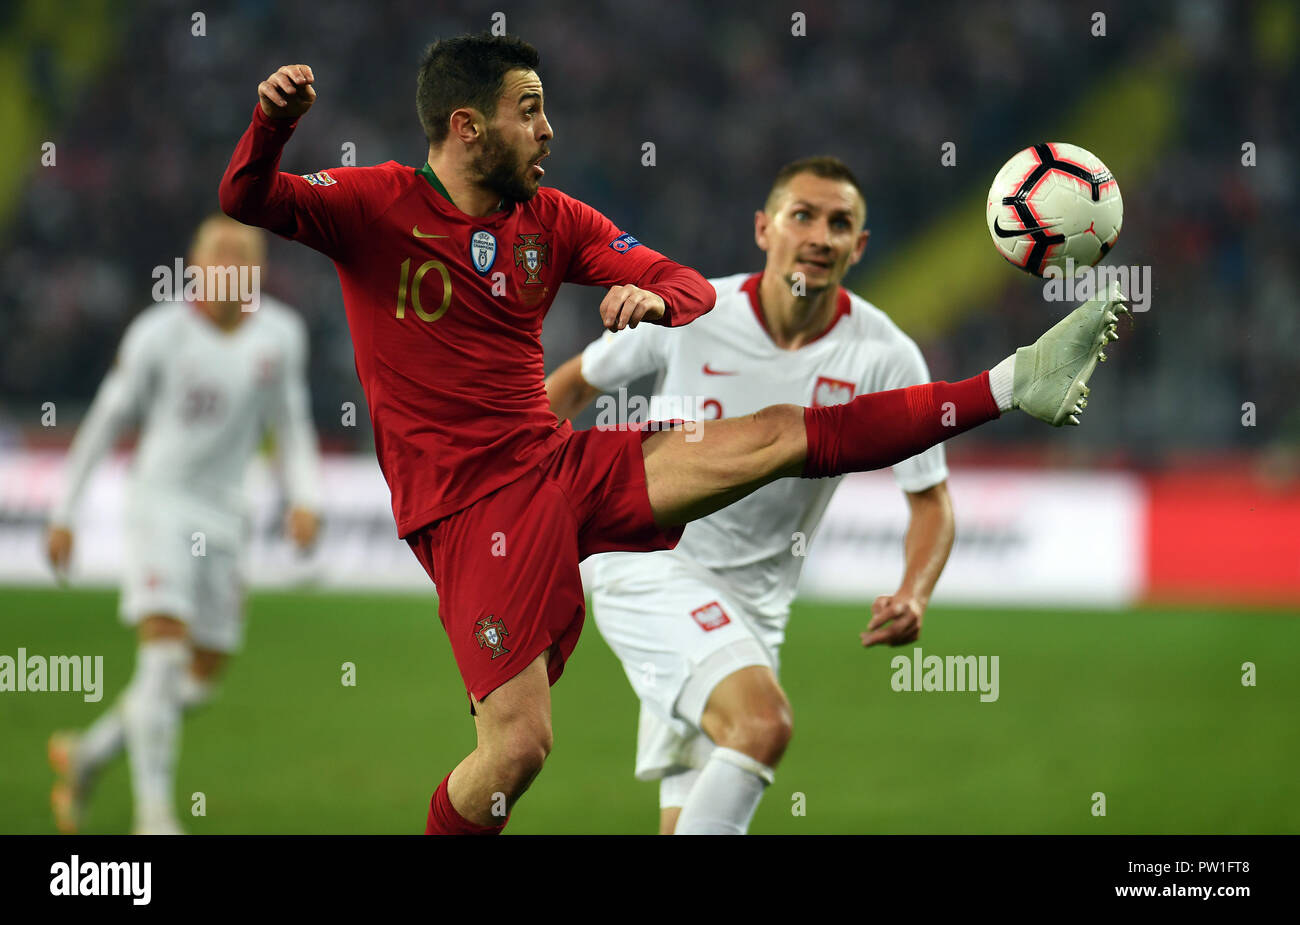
(1054, 205)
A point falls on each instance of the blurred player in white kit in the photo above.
(699, 628)
(202, 381)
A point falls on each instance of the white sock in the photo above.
(1000, 380)
(101, 742)
(194, 692)
(151, 717)
(106, 736)
(725, 797)
(675, 788)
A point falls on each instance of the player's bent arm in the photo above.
(116, 406)
(604, 256)
(930, 533)
(896, 618)
(252, 190)
(110, 414)
(255, 192)
(666, 294)
(686, 293)
(567, 391)
(930, 529)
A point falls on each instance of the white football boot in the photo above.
(1050, 380)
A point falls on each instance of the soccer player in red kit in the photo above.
(447, 271)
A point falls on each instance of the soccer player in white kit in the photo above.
(699, 628)
(202, 380)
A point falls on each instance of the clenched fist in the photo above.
(628, 306)
(58, 548)
(301, 525)
(895, 619)
(287, 93)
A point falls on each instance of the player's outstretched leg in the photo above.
(514, 737)
(689, 476)
(151, 713)
(74, 775)
(77, 757)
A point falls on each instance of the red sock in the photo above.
(883, 428)
(444, 820)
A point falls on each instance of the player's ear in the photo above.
(761, 222)
(860, 247)
(465, 125)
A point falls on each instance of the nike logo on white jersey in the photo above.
(716, 372)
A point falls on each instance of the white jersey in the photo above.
(725, 364)
(202, 398)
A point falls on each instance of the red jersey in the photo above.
(446, 308)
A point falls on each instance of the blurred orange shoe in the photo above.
(67, 797)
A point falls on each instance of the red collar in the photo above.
(750, 288)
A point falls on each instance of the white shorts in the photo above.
(167, 572)
(678, 632)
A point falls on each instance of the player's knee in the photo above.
(537, 747)
(762, 732)
(521, 752)
(161, 626)
(768, 733)
(206, 665)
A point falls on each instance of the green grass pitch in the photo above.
(1146, 706)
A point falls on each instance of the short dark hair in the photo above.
(824, 166)
(468, 70)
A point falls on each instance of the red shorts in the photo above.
(506, 567)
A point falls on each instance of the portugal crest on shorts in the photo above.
(491, 634)
(532, 256)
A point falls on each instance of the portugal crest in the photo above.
(491, 634)
(532, 256)
(482, 251)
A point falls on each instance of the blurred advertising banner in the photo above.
(356, 548)
(1024, 536)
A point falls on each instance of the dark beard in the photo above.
(497, 168)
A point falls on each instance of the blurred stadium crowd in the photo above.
(727, 95)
